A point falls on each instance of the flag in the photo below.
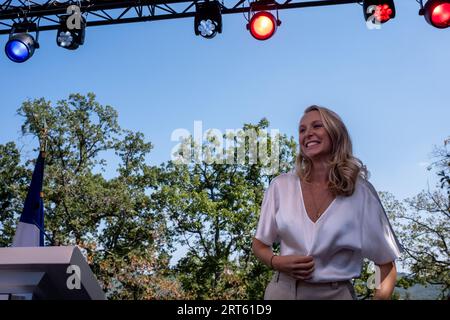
(30, 230)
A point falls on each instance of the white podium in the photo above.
(47, 273)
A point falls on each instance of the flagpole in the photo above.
(30, 231)
(52, 241)
(43, 152)
(43, 139)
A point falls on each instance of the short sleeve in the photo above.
(267, 226)
(379, 243)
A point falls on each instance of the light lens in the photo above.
(263, 25)
(378, 11)
(383, 13)
(440, 16)
(65, 39)
(20, 47)
(207, 28)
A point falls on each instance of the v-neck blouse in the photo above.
(350, 229)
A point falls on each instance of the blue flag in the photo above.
(30, 229)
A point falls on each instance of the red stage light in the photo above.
(437, 13)
(379, 10)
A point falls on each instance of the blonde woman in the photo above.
(327, 217)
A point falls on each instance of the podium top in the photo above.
(35, 255)
(60, 264)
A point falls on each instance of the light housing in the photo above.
(208, 19)
(69, 37)
(437, 13)
(21, 45)
(379, 11)
(262, 25)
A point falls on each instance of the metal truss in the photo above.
(105, 12)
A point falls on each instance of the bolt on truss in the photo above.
(106, 12)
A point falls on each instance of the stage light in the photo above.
(69, 35)
(378, 11)
(208, 19)
(21, 45)
(262, 25)
(437, 13)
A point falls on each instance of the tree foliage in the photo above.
(423, 225)
(125, 241)
(14, 179)
(213, 208)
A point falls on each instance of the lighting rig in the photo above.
(20, 18)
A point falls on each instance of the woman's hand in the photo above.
(298, 267)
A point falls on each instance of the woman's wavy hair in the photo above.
(344, 167)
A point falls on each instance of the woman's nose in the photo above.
(308, 132)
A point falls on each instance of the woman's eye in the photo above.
(318, 126)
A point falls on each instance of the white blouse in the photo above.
(350, 229)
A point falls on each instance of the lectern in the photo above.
(47, 273)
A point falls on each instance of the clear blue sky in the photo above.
(390, 85)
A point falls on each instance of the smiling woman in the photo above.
(323, 214)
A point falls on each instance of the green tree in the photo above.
(213, 208)
(423, 225)
(125, 241)
(14, 179)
